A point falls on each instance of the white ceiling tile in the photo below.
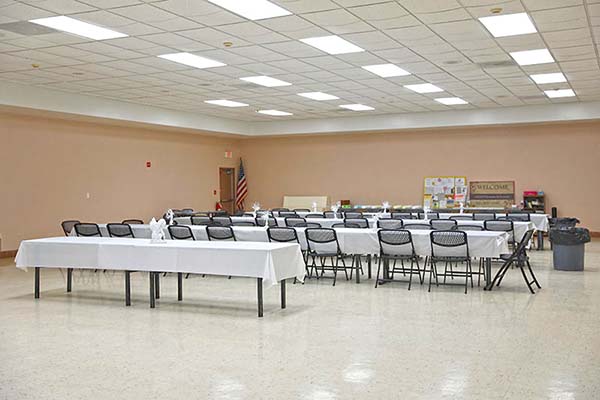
(385, 15)
(560, 19)
(253, 32)
(306, 6)
(338, 21)
(62, 7)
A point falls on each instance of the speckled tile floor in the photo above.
(345, 342)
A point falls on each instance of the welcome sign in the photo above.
(492, 193)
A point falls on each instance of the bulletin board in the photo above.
(444, 191)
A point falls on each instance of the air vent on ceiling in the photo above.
(497, 64)
(26, 28)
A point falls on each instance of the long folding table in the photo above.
(269, 263)
(482, 244)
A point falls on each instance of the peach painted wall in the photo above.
(48, 165)
(561, 159)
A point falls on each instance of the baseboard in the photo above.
(8, 253)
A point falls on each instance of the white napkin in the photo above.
(386, 206)
(170, 216)
(314, 206)
(265, 216)
(157, 228)
(462, 207)
(255, 208)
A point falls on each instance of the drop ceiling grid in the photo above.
(109, 66)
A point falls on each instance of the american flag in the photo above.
(242, 188)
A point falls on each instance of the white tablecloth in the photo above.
(270, 261)
(354, 241)
(540, 221)
(521, 228)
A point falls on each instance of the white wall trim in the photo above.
(50, 100)
(438, 119)
(53, 100)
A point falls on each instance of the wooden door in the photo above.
(227, 189)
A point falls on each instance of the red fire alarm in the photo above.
(228, 154)
(148, 164)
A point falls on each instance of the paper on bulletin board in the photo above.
(444, 191)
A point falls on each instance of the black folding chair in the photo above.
(520, 258)
(315, 215)
(220, 233)
(180, 232)
(390, 224)
(345, 225)
(67, 226)
(502, 226)
(201, 220)
(287, 235)
(323, 245)
(443, 224)
(295, 222)
(86, 229)
(430, 215)
(332, 215)
(483, 216)
(462, 217)
(120, 230)
(223, 220)
(422, 227)
(396, 245)
(449, 247)
(260, 221)
(132, 222)
(353, 214)
(244, 223)
(402, 215)
(361, 222)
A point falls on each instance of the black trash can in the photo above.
(568, 248)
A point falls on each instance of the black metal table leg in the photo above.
(357, 266)
(152, 292)
(127, 288)
(179, 286)
(540, 240)
(488, 271)
(36, 285)
(283, 302)
(157, 284)
(369, 265)
(69, 279)
(259, 290)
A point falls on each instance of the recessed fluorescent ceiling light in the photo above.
(318, 96)
(556, 77)
(530, 57)
(424, 88)
(357, 107)
(451, 101)
(265, 81)
(508, 25)
(554, 94)
(226, 103)
(332, 44)
(76, 27)
(192, 60)
(252, 9)
(386, 70)
(275, 113)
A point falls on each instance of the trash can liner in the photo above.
(563, 223)
(570, 236)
